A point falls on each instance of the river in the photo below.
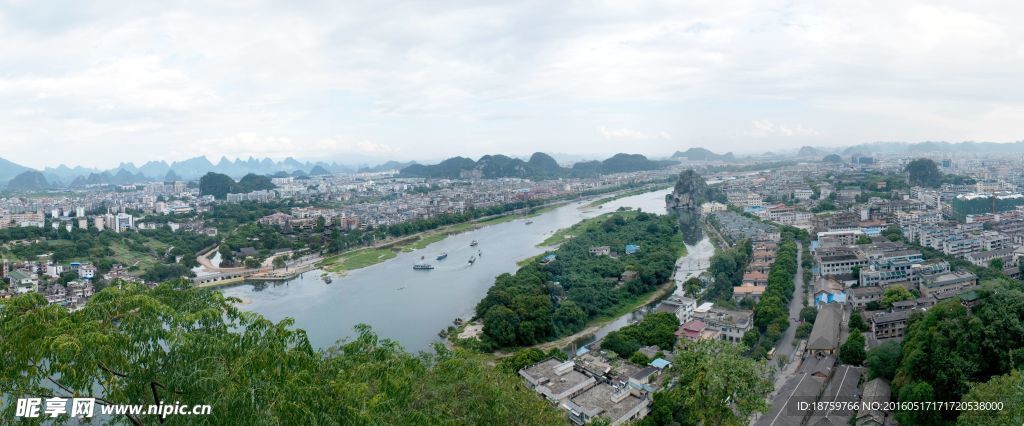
(411, 306)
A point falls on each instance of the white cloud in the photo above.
(631, 134)
(101, 82)
(762, 128)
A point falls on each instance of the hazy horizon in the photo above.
(100, 83)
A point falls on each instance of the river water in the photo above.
(411, 306)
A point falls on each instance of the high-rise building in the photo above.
(123, 222)
(79, 211)
(99, 223)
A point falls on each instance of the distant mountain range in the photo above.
(156, 171)
(539, 166)
(701, 154)
(29, 180)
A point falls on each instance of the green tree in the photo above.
(852, 351)
(996, 264)
(857, 322)
(279, 262)
(863, 239)
(252, 262)
(804, 330)
(639, 359)
(923, 172)
(692, 287)
(883, 360)
(1008, 389)
(808, 314)
(135, 345)
(895, 293)
(750, 337)
(716, 385)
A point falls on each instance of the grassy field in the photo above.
(129, 258)
(356, 259)
(639, 191)
(563, 234)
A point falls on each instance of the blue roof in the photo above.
(549, 257)
(660, 363)
(631, 248)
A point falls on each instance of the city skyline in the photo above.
(171, 81)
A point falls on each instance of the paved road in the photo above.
(785, 347)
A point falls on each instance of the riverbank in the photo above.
(381, 252)
(596, 324)
(578, 228)
(606, 200)
(411, 306)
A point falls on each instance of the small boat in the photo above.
(472, 260)
(327, 279)
(481, 254)
(442, 256)
(422, 266)
(529, 222)
(473, 244)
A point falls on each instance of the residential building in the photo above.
(824, 338)
(556, 380)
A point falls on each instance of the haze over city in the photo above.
(369, 81)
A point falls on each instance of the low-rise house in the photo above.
(601, 251)
(618, 404)
(731, 325)
(959, 281)
(681, 307)
(860, 297)
(824, 338)
(876, 394)
(748, 291)
(556, 380)
(984, 258)
(692, 330)
(887, 325)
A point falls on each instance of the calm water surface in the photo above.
(411, 306)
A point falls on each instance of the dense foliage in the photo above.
(656, 329)
(133, 345)
(540, 302)
(949, 347)
(526, 357)
(771, 315)
(726, 267)
(715, 385)
(883, 360)
(852, 350)
(145, 250)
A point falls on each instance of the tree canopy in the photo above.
(542, 301)
(715, 385)
(134, 345)
(948, 348)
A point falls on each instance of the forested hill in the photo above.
(544, 301)
(539, 166)
(219, 185)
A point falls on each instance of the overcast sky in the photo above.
(96, 83)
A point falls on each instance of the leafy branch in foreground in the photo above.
(134, 345)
